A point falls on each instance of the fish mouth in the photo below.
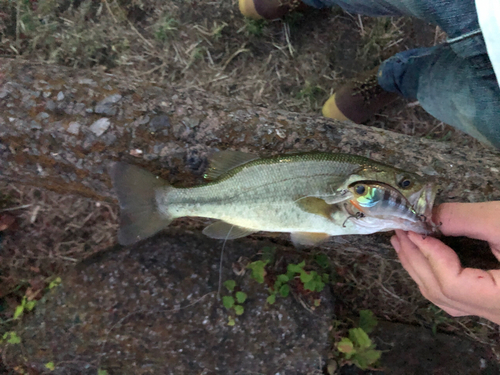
(423, 201)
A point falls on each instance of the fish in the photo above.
(308, 195)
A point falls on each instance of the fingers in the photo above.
(406, 251)
(462, 286)
(475, 220)
(423, 273)
(441, 279)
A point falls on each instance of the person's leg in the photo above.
(449, 87)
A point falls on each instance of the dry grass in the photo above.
(292, 64)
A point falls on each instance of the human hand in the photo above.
(436, 268)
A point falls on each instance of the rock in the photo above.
(160, 123)
(153, 309)
(415, 350)
(73, 128)
(106, 106)
(100, 126)
(60, 96)
(220, 123)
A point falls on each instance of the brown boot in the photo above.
(269, 9)
(359, 99)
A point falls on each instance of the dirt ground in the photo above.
(293, 64)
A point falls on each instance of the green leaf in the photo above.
(271, 299)
(285, 290)
(228, 302)
(320, 286)
(55, 283)
(367, 321)
(241, 297)
(230, 322)
(258, 271)
(230, 284)
(50, 366)
(325, 277)
(306, 277)
(283, 278)
(322, 261)
(102, 372)
(317, 302)
(19, 311)
(310, 285)
(30, 305)
(360, 361)
(360, 338)
(345, 345)
(296, 268)
(238, 309)
(371, 356)
(13, 338)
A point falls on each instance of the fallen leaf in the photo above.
(6, 221)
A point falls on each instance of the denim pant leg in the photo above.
(455, 17)
(455, 82)
(448, 87)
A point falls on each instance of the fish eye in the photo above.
(405, 183)
(360, 189)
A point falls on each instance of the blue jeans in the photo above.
(454, 82)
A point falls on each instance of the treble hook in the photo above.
(357, 215)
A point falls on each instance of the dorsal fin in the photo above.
(223, 161)
(224, 231)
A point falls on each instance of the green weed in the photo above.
(11, 337)
(255, 27)
(358, 348)
(165, 28)
(310, 92)
(234, 303)
(311, 280)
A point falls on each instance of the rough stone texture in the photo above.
(174, 130)
(410, 350)
(152, 309)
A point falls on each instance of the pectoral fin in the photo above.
(308, 238)
(223, 161)
(316, 206)
(224, 231)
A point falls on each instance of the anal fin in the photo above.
(224, 231)
(308, 238)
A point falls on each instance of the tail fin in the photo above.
(140, 215)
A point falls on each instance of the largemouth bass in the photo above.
(307, 195)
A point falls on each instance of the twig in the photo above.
(140, 35)
(110, 12)
(16, 208)
(287, 37)
(241, 50)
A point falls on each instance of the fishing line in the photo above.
(220, 264)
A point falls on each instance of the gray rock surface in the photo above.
(172, 131)
(410, 350)
(152, 309)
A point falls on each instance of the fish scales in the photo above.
(263, 194)
(305, 194)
